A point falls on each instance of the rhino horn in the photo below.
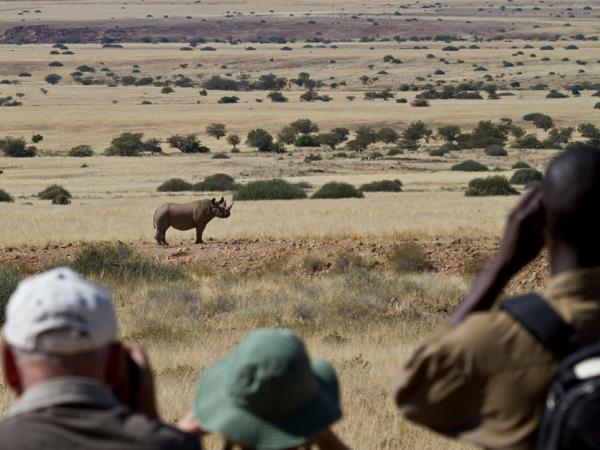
(230, 206)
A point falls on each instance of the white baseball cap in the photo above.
(75, 315)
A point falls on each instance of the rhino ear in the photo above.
(213, 201)
(222, 200)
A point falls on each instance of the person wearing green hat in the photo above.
(268, 395)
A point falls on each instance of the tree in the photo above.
(260, 139)
(233, 140)
(417, 131)
(486, 133)
(287, 135)
(304, 126)
(126, 144)
(217, 130)
(331, 140)
(53, 78)
(449, 133)
(366, 135)
(16, 147)
(187, 143)
(342, 133)
(387, 136)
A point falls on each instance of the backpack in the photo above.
(571, 418)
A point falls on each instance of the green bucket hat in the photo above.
(268, 394)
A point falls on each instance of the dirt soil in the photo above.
(304, 257)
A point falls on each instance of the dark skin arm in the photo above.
(522, 242)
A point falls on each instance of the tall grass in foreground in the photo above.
(365, 321)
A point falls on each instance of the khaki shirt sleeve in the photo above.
(438, 388)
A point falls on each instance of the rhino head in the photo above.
(220, 209)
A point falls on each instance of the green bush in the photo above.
(188, 143)
(382, 186)
(229, 99)
(175, 185)
(217, 182)
(495, 185)
(334, 189)
(526, 176)
(127, 144)
(521, 165)
(470, 166)
(495, 150)
(409, 257)
(17, 148)
(9, 280)
(306, 140)
(275, 189)
(556, 94)
(437, 152)
(81, 151)
(120, 262)
(5, 196)
(53, 191)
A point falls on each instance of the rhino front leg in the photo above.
(199, 231)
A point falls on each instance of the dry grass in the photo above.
(357, 320)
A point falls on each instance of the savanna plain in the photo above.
(127, 105)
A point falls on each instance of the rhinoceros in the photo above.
(185, 216)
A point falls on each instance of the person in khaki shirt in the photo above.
(483, 378)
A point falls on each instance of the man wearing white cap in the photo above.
(77, 387)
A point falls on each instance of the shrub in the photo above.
(260, 139)
(175, 185)
(37, 138)
(304, 126)
(382, 186)
(409, 257)
(127, 144)
(217, 182)
(540, 120)
(275, 189)
(486, 133)
(419, 103)
(53, 191)
(495, 150)
(521, 165)
(187, 143)
(495, 185)
(17, 148)
(387, 136)
(5, 197)
(9, 280)
(526, 176)
(53, 78)
(277, 97)
(81, 151)
(334, 189)
(556, 94)
(597, 105)
(229, 99)
(528, 141)
(437, 152)
(120, 262)
(220, 155)
(306, 140)
(470, 166)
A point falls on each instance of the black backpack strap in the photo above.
(543, 322)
